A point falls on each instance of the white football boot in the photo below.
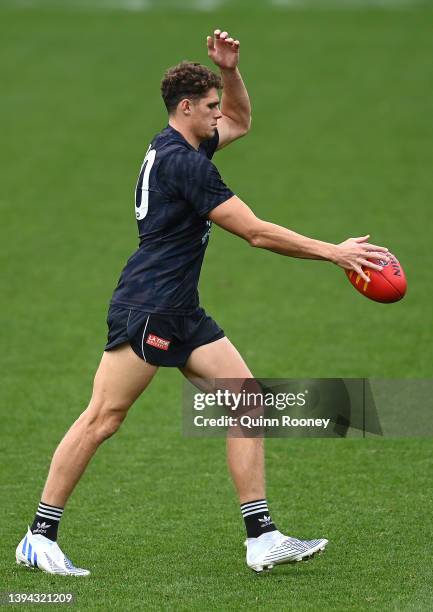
(274, 548)
(37, 551)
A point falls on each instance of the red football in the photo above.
(386, 286)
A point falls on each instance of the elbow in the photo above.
(254, 237)
(243, 126)
(246, 125)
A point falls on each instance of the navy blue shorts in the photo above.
(161, 340)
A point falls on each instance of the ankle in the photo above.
(257, 518)
(46, 521)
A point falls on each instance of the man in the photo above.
(155, 318)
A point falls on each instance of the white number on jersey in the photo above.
(142, 194)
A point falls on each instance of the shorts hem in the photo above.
(214, 338)
(117, 342)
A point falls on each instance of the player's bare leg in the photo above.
(266, 546)
(245, 456)
(121, 377)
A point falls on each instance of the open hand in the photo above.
(354, 253)
(223, 50)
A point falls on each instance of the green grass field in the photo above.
(340, 146)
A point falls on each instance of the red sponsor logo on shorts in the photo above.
(158, 342)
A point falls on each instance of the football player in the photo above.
(155, 318)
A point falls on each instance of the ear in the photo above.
(185, 106)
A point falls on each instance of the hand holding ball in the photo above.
(387, 286)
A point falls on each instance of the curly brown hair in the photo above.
(187, 80)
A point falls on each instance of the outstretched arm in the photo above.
(235, 103)
(236, 217)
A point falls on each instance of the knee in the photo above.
(109, 426)
(102, 421)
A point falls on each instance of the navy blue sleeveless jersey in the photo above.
(177, 187)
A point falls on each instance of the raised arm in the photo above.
(235, 103)
(236, 217)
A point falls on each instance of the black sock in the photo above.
(257, 518)
(47, 521)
